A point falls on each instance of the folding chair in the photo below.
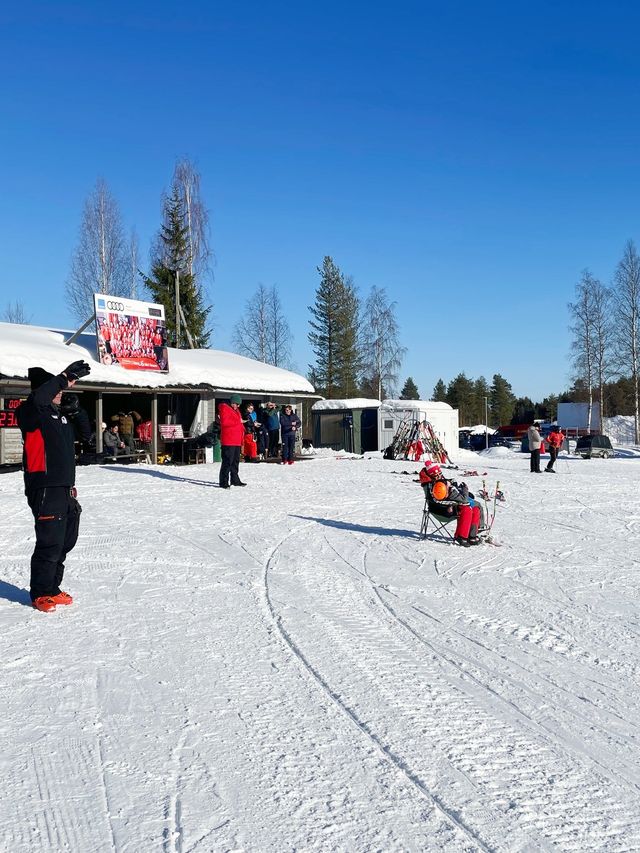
(439, 523)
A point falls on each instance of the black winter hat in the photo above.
(38, 376)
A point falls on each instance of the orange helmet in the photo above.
(439, 490)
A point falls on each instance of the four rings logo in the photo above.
(115, 306)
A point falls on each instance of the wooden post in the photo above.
(99, 447)
(154, 429)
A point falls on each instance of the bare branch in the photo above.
(99, 263)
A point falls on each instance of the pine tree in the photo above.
(439, 392)
(460, 396)
(523, 411)
(480, 404)
(501, 402)
(171, 257)
(409, 390)
(334, 334)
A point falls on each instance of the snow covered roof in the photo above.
(353, 403)
(22, 347)
(421, 405)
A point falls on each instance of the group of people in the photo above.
(451, 500)
(123, 336)
(254, 434)
(555, 441)
(118, 439)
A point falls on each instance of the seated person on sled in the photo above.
(447, 498)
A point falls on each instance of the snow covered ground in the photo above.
(288, 667)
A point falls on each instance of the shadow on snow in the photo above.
(359, 528)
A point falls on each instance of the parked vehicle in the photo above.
(594, 445)
(479, 441)
(464, 439)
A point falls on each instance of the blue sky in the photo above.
(470, 158)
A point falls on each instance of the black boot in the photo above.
(460, 540)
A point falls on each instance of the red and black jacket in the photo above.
(48, 458)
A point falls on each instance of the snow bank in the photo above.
(620, 429)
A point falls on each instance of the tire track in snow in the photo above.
(619, 736)
(342, 613)
(389, 755)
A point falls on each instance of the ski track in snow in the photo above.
(288, 667)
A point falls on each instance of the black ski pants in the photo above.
(553, 453)
(288, 446)
(230, 464)
(535, 461)
(274, 441)
(57, 517)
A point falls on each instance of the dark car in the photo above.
(594, 445)
(479, 441)
(498, 440)
(464, 439)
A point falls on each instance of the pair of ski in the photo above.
(498, 495)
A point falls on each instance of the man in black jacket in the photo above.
(49, 467)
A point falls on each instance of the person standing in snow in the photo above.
(535, 440)
(231, 439)
(290, 423)
(272, 421)
(49, 465)
(555, 440)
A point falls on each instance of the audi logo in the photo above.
(115, 306)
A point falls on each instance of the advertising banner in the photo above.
(130, 333)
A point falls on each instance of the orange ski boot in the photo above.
(44, 603)
(61, 598)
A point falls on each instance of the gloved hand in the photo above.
(77, 370)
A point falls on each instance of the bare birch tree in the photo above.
(381, 351)
(279, 338)
(99, 263)
(602, 340)
(251, 331)
(583, 346)
(134, 265)
(187, 181)
(627, 314)
(15, 313)
(263, 331)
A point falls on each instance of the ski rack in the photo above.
(410, 434)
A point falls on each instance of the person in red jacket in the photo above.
(555, 440)
(231, 439)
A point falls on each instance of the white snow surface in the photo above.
(288, 667)
(22, 347)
